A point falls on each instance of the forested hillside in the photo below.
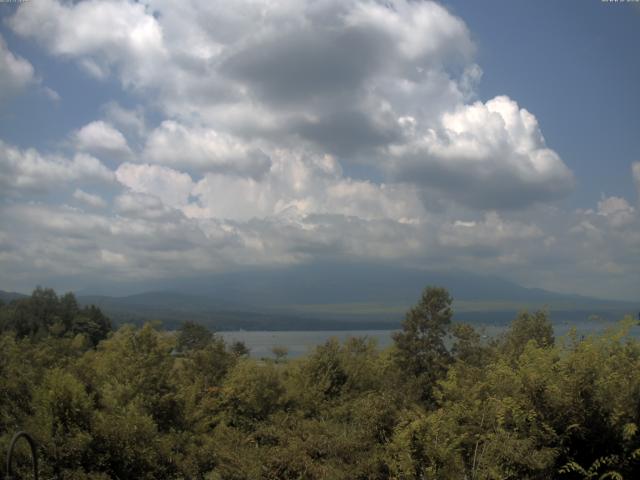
(143, 403)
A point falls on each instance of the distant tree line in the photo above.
(44, 314)
(441, 403)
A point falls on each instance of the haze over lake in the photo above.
(299, 343)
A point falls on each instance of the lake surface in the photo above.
(300, 343)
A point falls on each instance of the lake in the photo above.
(299, 343)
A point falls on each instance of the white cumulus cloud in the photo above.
(484, 155)
(204, 149)
(101, 137)
(491, 231)
(616, 210)
(95, 201)
(302, 185)
(104, 35)
(15, 72)
(29, 171)
(169, 185)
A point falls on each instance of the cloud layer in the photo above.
(274, 132)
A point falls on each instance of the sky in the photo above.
(161, 139)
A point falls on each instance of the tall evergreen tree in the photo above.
(420, 348)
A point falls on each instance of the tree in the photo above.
(193, 336)
(528, 327)
(44, 314)
(239, 349)
(324, 370)
(420, 348)
(251, 392)
(68, 309)
(468, 346)
(280, 353)
(62, 421)
(90, 321)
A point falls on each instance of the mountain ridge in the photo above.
(331, 296)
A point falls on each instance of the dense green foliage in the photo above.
(44, 314)
(440, 404)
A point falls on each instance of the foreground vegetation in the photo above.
(143, 403)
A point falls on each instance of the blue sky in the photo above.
(164, 139)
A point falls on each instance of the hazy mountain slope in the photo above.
(9, 296)
(330, 296)
(340, 296)
(361, 283)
